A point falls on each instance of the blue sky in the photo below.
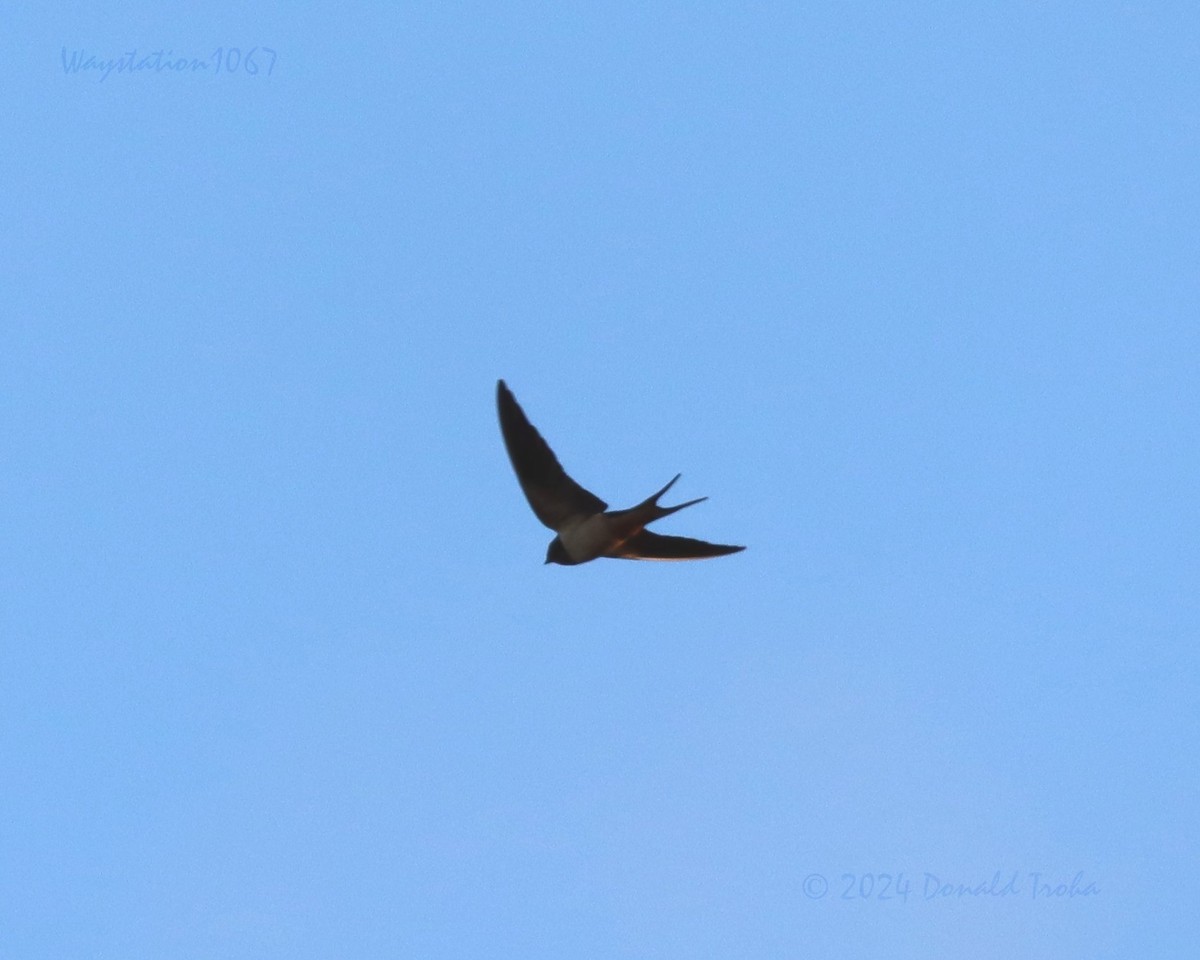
(910, 291)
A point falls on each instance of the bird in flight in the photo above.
(585, 527)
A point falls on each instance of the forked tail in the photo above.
(660, 512)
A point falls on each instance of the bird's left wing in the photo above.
(554, 496)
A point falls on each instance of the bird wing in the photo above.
(655, 546)
(553, 495)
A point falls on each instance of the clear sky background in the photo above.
(910, 290)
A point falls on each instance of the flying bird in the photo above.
(585, 527)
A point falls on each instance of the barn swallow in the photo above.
(585, 527)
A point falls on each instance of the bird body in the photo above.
(585, 538)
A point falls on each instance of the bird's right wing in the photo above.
(553, 495)
(655, 546)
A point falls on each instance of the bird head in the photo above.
(557, 553)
